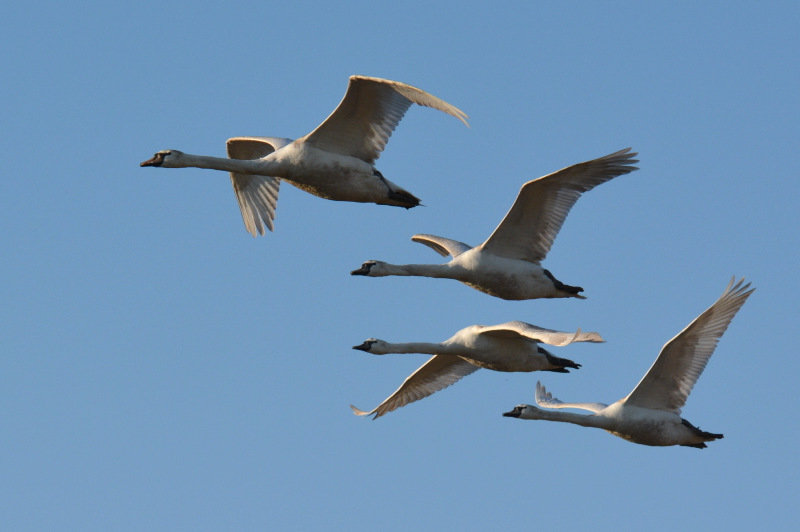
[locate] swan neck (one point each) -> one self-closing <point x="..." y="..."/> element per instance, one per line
<point x="583" y="420"/>
<point x="417" y="347"/>
<point x="242" y="166"/>
<point x="418" y="270"/>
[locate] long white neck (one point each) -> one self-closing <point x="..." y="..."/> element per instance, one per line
<point x="419" y="270"/>
<point x="417" y="347"/>
<point x="243" y="166"/>
<point x="600" y="422"/>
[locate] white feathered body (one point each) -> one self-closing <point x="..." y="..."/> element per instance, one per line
<point x="506" y="278"/>
<point x="328" y="175"/>
<point x="498" y="354"/>
<point x="648" y="426"/>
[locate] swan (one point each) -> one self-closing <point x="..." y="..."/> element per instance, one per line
<point x="335" y="161"/>
<point x="650" y="415"/>
<point x="507" y="265"/>
<point x="512" y="346"/>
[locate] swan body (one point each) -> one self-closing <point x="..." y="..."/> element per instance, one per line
<point x="335" y="161"/>
<point x="650" y="414"/>
<point x="512" y="346"/>
<point x="508" y="264"/>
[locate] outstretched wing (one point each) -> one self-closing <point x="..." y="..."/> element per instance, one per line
<point x="442" y="246"/>
<point x="436" y="374"/>
<point x="257" y="195"/>
<point x="529" y="228"/>
<point x="670" y="379"/>
<point x="367" y="115"/>
<point x="545" y="399"/>
<point x="538" y="334"/>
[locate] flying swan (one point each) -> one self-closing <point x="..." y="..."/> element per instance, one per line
<point x="512" y="346"/>
<point x="335" y="161"/>
<point x="650" y="415"/>
<point x="507" y="265"/>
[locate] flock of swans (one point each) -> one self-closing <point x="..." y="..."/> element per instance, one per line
<point x="336" y="162"/>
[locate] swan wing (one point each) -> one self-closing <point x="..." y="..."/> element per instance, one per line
<point x="257" y="195"/>
<point x="538" y="334"/>
<point x="442" y="246"/>
<point x="436" y="374"/>
<point x="367" y="115"/>
<point x="529" y="228"/>
<point x="670" y="379"/>
<point x="545" y="399"/>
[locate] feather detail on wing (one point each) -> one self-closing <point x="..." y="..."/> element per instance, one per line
<point x="545" y="399"/>
<point x="539" y="334"/>
<point x="669" y="381"/>
<point x="436" y="374"/>
<point x="529" y="228"/>
<point x="362" y="123"/>
<point x="257" y="195"/>
<point x="442" y="246"/>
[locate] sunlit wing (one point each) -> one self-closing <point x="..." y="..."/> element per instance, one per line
<point x="442" y="246"/>
<point x="436" y="374"/>
<point x="257" y="195"/>
<point x="367" y="115"/>
<point x="529" y="228"/>
<point x="547" y="336"/>
<point x="670" y="379"/>
<point x="545" y="399"/>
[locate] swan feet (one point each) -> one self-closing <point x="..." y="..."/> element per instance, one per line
<point x="404" y="198"/>
<point x="709" y="436"/>
<point x="564" y="363"/>
<point x="574" y="290"/>
<point x="408" y="199"/>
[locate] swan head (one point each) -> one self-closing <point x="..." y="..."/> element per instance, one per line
<point x="371" y="268"/>
<point x="166" y="159"/>
<point x="524" y="412"/>
<point x="373" y="345"/>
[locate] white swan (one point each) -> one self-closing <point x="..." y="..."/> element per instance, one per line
<point x="507" y="265"/>
<point x="650" y="415"/>
<point x="335" y="161"/>
<point x="512" y="346"/>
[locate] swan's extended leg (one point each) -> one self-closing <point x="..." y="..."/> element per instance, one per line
<point x="561" y="286"/>
<point x="556" y="361"/>
<point x="408" y="199"/>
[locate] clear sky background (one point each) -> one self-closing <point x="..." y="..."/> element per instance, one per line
<point x="163" y="370"/>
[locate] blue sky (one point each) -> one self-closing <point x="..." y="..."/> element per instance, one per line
<point x="163" y="370"/>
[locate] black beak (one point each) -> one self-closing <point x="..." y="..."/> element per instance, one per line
<point x="157" y="159"/>
<point x="514" y="413"/>
<point x="363" y="347"/>
<point x="363" y="270"/>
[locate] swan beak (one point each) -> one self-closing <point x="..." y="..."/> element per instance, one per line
<point x="155" y="161"/>
<point x="514" y="413"/>
<point x="363" y="270"/>
<point x="363" y="347"/>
